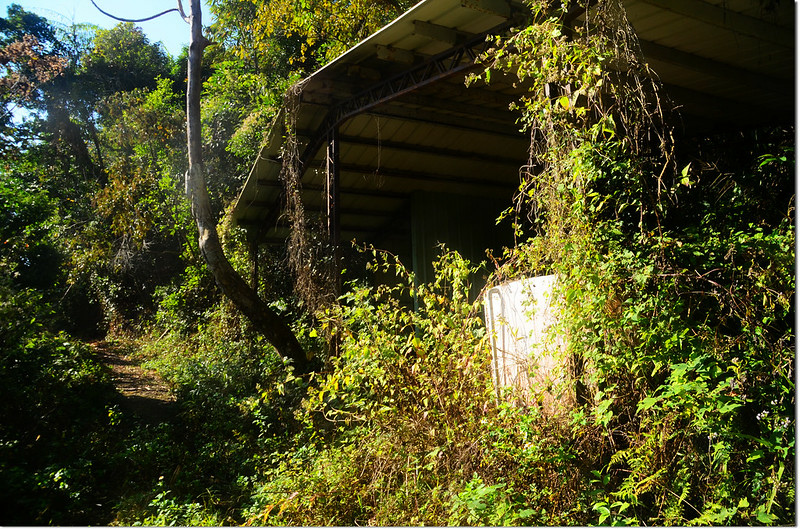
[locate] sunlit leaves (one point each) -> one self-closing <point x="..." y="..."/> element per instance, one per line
<point x="144" y="133"/>
<point x="122" y="58"/>
<point x="675" y="279"/>
<point x="313" y="31"/>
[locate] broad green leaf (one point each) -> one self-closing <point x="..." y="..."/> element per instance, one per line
<point x="647" y="403"/>
<point x="764" y="517"/>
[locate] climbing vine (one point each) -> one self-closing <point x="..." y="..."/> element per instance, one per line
<point x="682" y="317"/>
<point x="310" y="255"/>
<point x="589" y="94"/>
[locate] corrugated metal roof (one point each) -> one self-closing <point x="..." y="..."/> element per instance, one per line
<point x="723" y="61"/>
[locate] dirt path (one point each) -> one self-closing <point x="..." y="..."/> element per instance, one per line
<point x="141" y="391"/>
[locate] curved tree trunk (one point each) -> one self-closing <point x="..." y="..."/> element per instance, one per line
<point x="265" y="320"/>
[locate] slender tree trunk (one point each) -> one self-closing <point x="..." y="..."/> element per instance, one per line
<point x="265" y="321"/>
<point x="102" y="177"/>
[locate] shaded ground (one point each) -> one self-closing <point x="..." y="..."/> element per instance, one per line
<point x="140" y="391"/>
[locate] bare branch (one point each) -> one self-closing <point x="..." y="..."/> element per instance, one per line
<point x="137" y="19"/>
<point x="182" y="12"/>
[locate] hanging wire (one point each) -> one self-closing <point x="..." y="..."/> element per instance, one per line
<point x="179" y="9"/>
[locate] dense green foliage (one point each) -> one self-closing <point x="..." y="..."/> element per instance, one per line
<point x="54" y="413"/>
<point x="676" y="284"/>
<point x="54" y="420"/>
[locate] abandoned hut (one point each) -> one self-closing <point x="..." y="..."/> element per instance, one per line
<point x="395" y="150"/>
<point x="391" y="147"/>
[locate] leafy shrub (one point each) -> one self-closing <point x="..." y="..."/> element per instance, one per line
<point x="675" y="283"/>
<point x="393" y="430"/>
<point x="171" y="513"/>
<point x="55" y="427"/>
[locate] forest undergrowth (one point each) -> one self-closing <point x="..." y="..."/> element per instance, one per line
<point x="675" y="293"/>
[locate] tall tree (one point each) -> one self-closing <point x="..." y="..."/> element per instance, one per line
<point x="263" y="318"/>
<point x="26" y="66"/>
<point x="245" y="298"/>
<point x="29" y="59"/>
<point x="123" y="59"/>
<point x="19" y="23"/>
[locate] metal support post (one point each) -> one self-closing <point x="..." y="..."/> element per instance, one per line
<point x="332" y="170"/>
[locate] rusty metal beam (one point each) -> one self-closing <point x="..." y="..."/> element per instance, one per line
<point x="375" y="193"/>
<point x="398" y="55"/>
<point x="730" y="74"/>
<point x="451" y="62"/>
<point x="499" y="8"/>
<point x="390" y="173"/>
<point x="458" y="123"/>
<point x="727" y="19"/>
<point x="436" y="32"/>
<point x="360" y="212"/>
<point x="425" y="149"/>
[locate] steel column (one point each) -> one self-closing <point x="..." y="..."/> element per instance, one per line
<point x="332" y="196"/>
